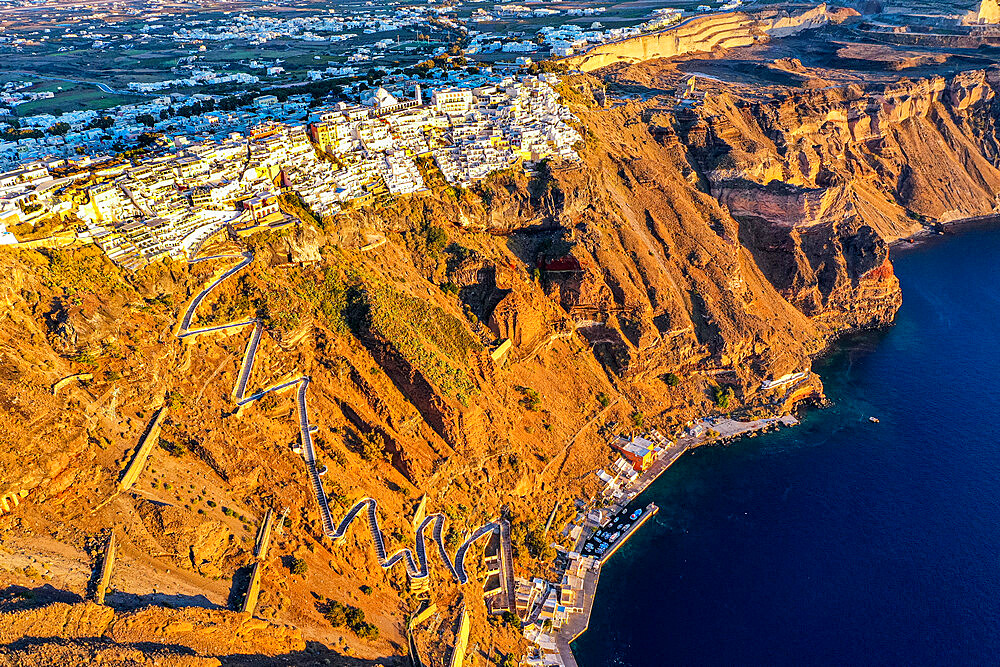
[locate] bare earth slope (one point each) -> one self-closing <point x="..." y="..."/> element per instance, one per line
<point x="725" y="244"/>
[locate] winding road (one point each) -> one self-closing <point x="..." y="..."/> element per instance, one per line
<point x="415" y="560"/>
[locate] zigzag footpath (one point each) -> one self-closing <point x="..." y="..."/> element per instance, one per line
<point x="416" y="564"/>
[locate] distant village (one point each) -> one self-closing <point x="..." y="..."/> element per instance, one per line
<point x="228" y="169"/>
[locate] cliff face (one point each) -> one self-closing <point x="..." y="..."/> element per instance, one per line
<point x="701" y="34"/>
<point x="606" y="277"/>
<point x="818" y="178"/>
<point x="917" y="151"/>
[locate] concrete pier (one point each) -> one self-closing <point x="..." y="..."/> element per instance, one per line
<point x="650" y="510"/>
<point x="578" y="623"/>
<point x="726" y="428"/>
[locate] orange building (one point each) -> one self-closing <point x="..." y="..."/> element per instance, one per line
<point x="638" y="451"/>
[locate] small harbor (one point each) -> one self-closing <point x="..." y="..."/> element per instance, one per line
<point x="558" y="613"/>
<point x="606" y="541"/>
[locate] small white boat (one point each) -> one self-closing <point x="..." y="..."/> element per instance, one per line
<point x="873" y="420"/>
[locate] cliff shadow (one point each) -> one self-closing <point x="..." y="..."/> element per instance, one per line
<point x="120" y="601"/>
<point x="21" y="598"/>
<point x="29" y="645"/>
<point x="316" y="654"/>
<point x="238" y="589"/>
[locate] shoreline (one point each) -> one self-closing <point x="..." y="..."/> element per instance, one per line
<point x="809" y="526"/>
<point x="702" y="432"/>
<point x="574" y="630"/>
<point x="927" y="234"/>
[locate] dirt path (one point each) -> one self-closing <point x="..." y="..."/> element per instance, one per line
<point x="565" y="450"/>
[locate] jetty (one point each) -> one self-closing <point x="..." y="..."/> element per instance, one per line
<point x="649" y="511"/>
<point x="579" y="622"/>
<point x="603" y="537"/>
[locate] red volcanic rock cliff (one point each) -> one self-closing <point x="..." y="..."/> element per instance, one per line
<point x="725" y="246"/>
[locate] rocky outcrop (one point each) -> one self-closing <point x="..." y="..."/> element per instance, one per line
<point x="700" y="34"/>
<point x="912" y="152"/>
<point x="820" y="180"/>
<point x="62" y="652"/>
<point x="837" y="273"/>
<point x="987" y="12"/>
<point x="206" y="632"/>
<point x="304" y="244"/>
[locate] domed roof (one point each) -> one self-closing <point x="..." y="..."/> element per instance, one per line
<point x="383" y="98"/>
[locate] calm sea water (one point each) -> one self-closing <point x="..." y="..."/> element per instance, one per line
<point x="839" y="542"/>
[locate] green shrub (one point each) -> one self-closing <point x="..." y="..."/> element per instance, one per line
<point x="371" y="451"/>
<point x="173" y="448"/>
<point x="436" y="239"/>
<point x="723" y="396"/>
<point x="453" y="539"/>
<point x="530" y="398"/>
<point x="335" y="613"/>
<point x="298" y="566"/>
<point x="365" y="630"/>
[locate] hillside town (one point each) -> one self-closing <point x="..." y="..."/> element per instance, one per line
<point x="230" y="169"/>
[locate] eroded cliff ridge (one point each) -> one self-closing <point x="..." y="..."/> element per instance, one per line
<point x="720" y="241"/>
<point x="700" y="34"/>
<point x="808" y="168"/>
<point x="892" y="157"/>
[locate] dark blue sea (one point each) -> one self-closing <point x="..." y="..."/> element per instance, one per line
<point x="839" y="542"/>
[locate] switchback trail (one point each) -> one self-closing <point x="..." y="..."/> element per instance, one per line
<point x="416" y="564"/>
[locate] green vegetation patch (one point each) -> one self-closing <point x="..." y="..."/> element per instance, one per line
<point x="341" y="615"/>
<point x="434" y="342"/>
<point x="328" y="295"/>
<point x="723" y="396"/>
<point x="298" y="566"/>
<point x="530" y="398"/>
<point x="72" y="97"/>
<point x="293" y="204"/>
<point x="427" y="337"/>
<point x="84" y="270"/>
<point x="530" y="537"/>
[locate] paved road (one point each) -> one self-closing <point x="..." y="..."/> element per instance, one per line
<point x="103" y="87"/>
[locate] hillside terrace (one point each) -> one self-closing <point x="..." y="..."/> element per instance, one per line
<point x="167" y="202"/>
